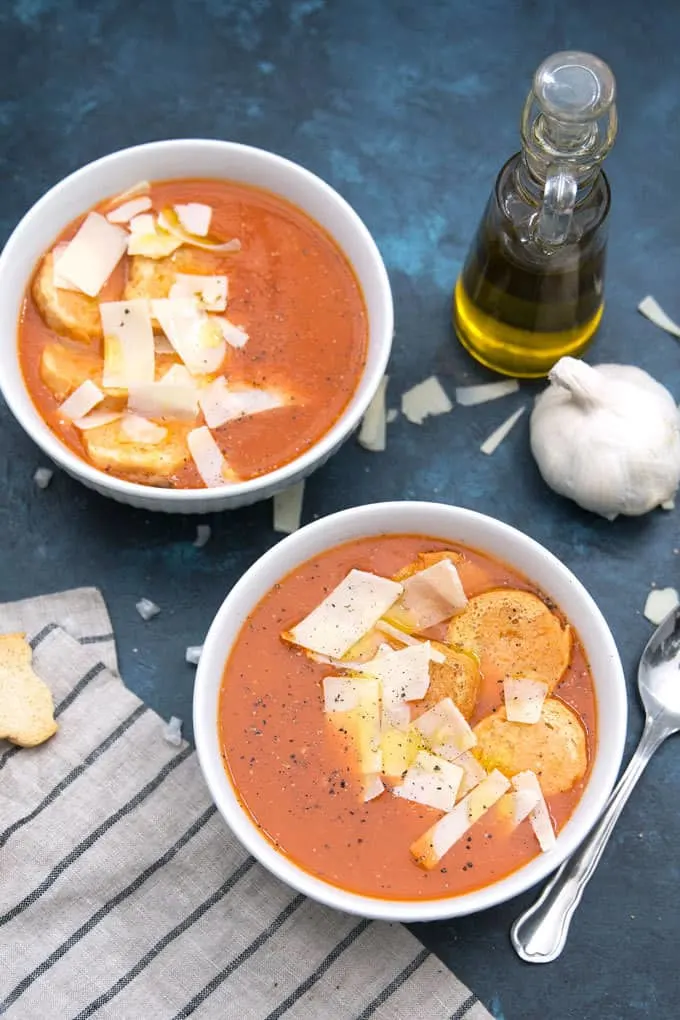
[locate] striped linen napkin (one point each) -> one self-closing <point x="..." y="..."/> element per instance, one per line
<point x="123" y="894"/>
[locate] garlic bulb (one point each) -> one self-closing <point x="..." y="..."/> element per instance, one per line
<point x="607" y="437"/>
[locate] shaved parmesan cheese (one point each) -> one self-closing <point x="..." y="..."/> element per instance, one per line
<point x="430" y="596"/>
<point x="288" y="509"/>
<point x="140" y="188"/>
<point x="518" y="805"/>
<point x="396" y="633"/>
<point x="373" y="432"/>
<point x="446" y="725"/>
<point x="492" y="442"/>
<point x="355" y="710"/>
<point x="147" y="609"/>
<point x="59" y="281"/>
<point x="194" y="217"/>
<point x="346" y="614"/>
<point x="373" y="787"/>
<point x="192" y="654"/>
<point x="431" y="781"/>
<point x="179" y="375"/>
<point x="148" y="239"/>
<point x="81" y="401"/>
<point x="233" y="335"/>
<point x="170" y="221"/>
<point x="203" y="533"/>
<point x="652" y="310"/>
<point x="172" y="731"/>
<point x="470" y="396"/>
<point x="424" y="400"/>
<point x="668" y="504"/>
<point x="163" y="400"/>
<point x="129" y="353"/>
<point x="539" y="816"/>
<point x="473" y="773"/>
<point x="192" y="334"/>
<point x="660" y="602"/>
<point x="399" y="748"/>
<point x="221" y="404"/>
<point x="210" y="291"/>
<point x="391" y="415"/>
<point x="96" y="420"/>
<point x="142" y="225"/>
<point x="43" y="476"/>
<point x="524" y="699"/>
<point x="125" y="212"/>
<point x="95" y="251"/>
<point x="396" y="717"/>
<point x="136" y="429"/>
<point x="438" y="840"/>
<point x="207" y="456"/>
<point x="343" y="693"/>
<point x="404" y="674"/>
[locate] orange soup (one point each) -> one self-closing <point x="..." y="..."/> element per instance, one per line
<point x="435" y="788"/>
<point x="192" y="333"/>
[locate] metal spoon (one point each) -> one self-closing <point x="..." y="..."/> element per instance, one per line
<point x="540" y="934"/>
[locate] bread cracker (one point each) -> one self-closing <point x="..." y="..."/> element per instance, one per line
<point x="26" y="705"/>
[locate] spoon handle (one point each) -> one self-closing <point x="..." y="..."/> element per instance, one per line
<point x="539" y="935"/>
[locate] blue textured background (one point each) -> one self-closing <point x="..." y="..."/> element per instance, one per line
<point x="408" y="108"/>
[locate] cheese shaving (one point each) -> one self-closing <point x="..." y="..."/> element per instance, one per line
<point x="288" y="509"/>
<point x="373" y="432"/>
<point x="210" y="291"/>
<point x="163" y="400"/>
<point x="492" y="442"/>
<point x="95" y="251"/>
<point x="438" y="840"/>
<point x="446" y="725"/>
<point x="207" y="456"/>
<point x="404" y="674"/>
<point x="147" y="609"/>
<point x="179" y="375"/>
<point x="134" y="428"/>
<point x="128" y="210"/>
<point x="96" y="420"/>
<point x="346" y="614"/>
<point x="473" y="773"/>
<point x="59" y="281"/>
<point x="668" y="504"/>
<point x="145" y="224"/>
<point x="192" y="654"/>
<point x="169" y="220"/>
<point x="81" y="401"/>
<point x="355" y="711"/>
<point x="373" y="787"/>
<point x="221" y="404"/>
<point x="470" y="396"/>
<point x="147" y="238"/>
<point x="425" y="400"/>
<point x="430" y="596"/>
<point x="431" y="781"/>
<point x="129" y="353"/>
<point x="396" y="633"/>
<point x="233" y="335"/>
<point x="660" y="602"/>
<point x="195" y="218"/>
<point x="140" y="188"/>
<point x="524" y="699"/>
<point x="518" y="805"/>
<point x="203" y="533"/>
<point x="391" y="415"/>
<point x="343" y="693"/>
<point x="43" y="476"/>
<point x="653" y="311"/>
<point x="539" y="816"/>
<point x="172" y="731"/>
<point x="191" y="333"/>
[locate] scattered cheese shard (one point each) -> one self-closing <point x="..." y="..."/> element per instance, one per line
<point x="129" y="352"/>
<point x="668" y="504"/>
<point x="660" y="602"/>
<point x="43" y="476"/>
<point x="396" y="716"/>
<point x="96" y="419"/>
<point x="355" y="710"/>
<point x="147" y="609"/>
<point x="518" y="805"/>
<point x="128" y="210"/>
<point x="429" y="849"/>
<point x="59" y="281"/>
<point x="172" y="731"/>
<point x="430" y="596"/>
<point x="220" y="404"/>
<point x="424" y="400"/>
<point x="473" y="773"/>
<point x="210" y="291"/>
<point x="445" y="725"/>
<point x="233" y="335"/>
<point x="195" y="218"/>
<point x="145" y="224"/>
<point x="373" y="787"/>
<point x="539" y="816"/>
<point x="524" y="699"/>
<point x="163" y="400"/>
<point x="140" y="188"/>
<point x="653" y="311"/>
<point x="391" y="415"/>
<point x="431" y="781"/>
<point x="288" y="509"/>
<point x="134" y="428"/>
<point x="179" y="375"/>
<point x="492" y="442"/>
<point x="346" y="614"/>
<point x="192" y="654"/>
<point x="191" y="333"/>
<point x="470" y="396"/>
<point x="404" y="674"/>
<point x="373" y="432"/>
<point x="147" y="238"/>
<point x="203" y="533"/>
<point x="95" y="251"/>
<point x="399" y="749"/>
<point x="396" y="633"/>
<point x="81" y="401"/>
<point x="169" y="221"/>
<point x="207" y="456"/>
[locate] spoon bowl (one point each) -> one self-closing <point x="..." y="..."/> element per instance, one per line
<point x="659" y="671"/>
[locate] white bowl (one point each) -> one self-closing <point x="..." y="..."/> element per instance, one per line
<point x="451" y="524"/>
<point x="164" y="161"/>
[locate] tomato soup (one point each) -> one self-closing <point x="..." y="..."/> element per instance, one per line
<point x="236" y="299"/>
<point x="296" y="773"/>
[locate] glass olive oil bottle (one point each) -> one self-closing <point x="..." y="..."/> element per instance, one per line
<point x="531" y="289"/>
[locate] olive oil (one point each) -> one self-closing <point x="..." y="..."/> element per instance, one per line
<point x="531" y="289"/>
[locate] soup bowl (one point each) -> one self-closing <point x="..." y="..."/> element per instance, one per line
<point x="452" y="524"/>
<point x="176" y="159"/>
